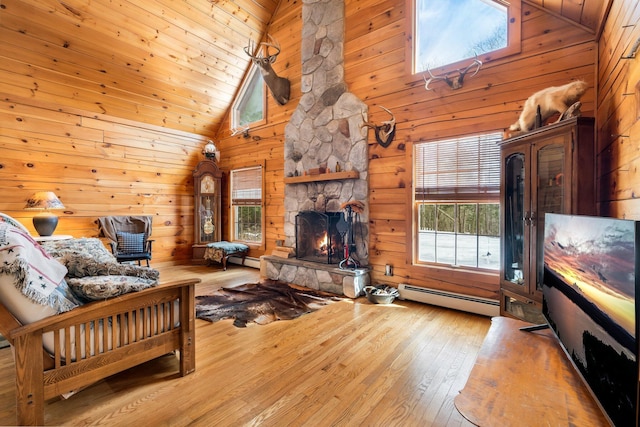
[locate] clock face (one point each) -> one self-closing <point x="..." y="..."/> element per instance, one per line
<point x="207" y="185"/>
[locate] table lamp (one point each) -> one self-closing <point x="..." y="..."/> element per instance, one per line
<point x="45" y="222"/>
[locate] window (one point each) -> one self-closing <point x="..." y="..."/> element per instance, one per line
<point x="450" y="31"/>
<point x="457" y="201"/>
<point x="249" y="105"/>
<point x="246" y="204"/>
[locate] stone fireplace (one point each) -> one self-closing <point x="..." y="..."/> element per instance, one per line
<point x="319" y="236"/>
<point x="326" y="127"/>
<point x="325" y="133"/>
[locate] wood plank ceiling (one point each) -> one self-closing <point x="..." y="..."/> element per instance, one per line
<point x="236" y="21"/>
<point x="183" y="60"/>
<point x="588" y="13"/>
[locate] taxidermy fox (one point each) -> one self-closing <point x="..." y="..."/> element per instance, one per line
<point x="554" y="99"/>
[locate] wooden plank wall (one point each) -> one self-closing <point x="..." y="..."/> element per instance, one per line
<point x="553" y="52"/>
<point x="618" y="111"/>
<point x="98" y="166"/>
<point x="265" y="144"/>
<point x="127" y="149"/>
<point x="109" y="105"/>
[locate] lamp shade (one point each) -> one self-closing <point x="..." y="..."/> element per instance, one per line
<point x="45" y="222"/>
<point x="43" y="200"/>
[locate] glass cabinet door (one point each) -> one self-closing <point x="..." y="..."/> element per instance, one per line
<point x="547" y="170"/>
<point x="514" y="221"/>
<point x="549" y="197"/>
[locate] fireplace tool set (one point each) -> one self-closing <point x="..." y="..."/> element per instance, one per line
<point x="346" y="230"/>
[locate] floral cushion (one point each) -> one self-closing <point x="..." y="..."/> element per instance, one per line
<point x="85" y="247"/>
<point x="89" y="257"/>
<point x="81" y="267"/>
<point x="94" y="273"/>
<point x="94" y="288"/>
<point x="130" y="243"/>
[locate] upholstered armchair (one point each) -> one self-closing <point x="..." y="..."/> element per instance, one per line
<point x="128" y="237"/>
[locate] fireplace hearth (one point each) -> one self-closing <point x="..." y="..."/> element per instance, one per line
<point x="318" y="236"/>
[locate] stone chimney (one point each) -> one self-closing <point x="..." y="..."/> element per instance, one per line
<point x="326" y="127"/>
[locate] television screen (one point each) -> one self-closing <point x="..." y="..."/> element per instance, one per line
<point x="589" y="300"/>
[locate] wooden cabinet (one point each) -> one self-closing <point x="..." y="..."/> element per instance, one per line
<point x="548" y="170"/>
<point x="207" y="187"/>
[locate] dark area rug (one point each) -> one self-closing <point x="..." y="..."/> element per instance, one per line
<point x="261" y="303"/>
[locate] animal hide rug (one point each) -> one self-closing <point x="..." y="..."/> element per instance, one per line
<point x="261" y="303"/>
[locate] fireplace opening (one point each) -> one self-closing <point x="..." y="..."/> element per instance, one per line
<point x="318" y="238"/>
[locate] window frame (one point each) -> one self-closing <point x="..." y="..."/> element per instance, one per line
<point x="416" y="202"/>
<point x="514" y="44"/>
<point x="232" y="206"/>
<point x="253" y="72"/>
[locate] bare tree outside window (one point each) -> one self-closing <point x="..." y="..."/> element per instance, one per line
<point x="249" y="104"/>
<point x="246" y="204"/>
<point x="449" y="31"/>
<point x="457" y="191"/>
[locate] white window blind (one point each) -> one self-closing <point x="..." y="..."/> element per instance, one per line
<point x="246" y="186"/>
<point x="466" y="168"/>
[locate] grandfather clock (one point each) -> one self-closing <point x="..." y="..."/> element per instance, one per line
<point x="207" y="187"/>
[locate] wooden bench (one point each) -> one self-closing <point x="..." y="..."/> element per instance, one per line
<point x="525" y="377"/>
<point x="221" y="252"/>
<point x="143" y="325"/>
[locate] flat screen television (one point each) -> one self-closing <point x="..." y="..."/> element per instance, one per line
<point x="590" y="291"/>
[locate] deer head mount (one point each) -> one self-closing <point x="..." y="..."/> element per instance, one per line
<point x="279" y="86"/>
<point x="454" y="82"/>
<point x="385" y="132"/>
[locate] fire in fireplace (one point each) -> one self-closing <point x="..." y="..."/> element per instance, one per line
<point x="318" y="238"/>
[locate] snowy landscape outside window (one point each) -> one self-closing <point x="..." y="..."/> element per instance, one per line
<point x="457" y="202"/>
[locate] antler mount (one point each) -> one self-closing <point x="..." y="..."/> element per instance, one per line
<point x="452" y="80"/>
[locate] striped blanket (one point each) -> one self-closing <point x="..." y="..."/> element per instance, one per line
<point x="35" y="273"/>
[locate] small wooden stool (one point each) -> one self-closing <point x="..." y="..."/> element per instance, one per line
<point x="221" y="251"/>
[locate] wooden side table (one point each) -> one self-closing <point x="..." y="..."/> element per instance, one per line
<point x="52" y="238"/>
<point x="525" y="378"/>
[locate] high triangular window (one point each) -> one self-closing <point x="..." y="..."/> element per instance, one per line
<point x="249" y="105"/>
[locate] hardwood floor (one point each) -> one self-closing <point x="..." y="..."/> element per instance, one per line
<point x="349" y="364"/>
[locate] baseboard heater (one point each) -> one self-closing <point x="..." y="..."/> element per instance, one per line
<point x="248" y="262"/>
<point x="471" y="304"/>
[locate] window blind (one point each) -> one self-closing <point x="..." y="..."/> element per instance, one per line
<point x="459" y="168"/>
<point x="246" y="186"/>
